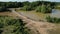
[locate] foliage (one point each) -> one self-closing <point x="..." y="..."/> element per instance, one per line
<point x="12" y="26"/>
<point x="53" y="19"/>
<point x="39" y="6"/>
<point x="26" y="3"/>
<point x="3" y="9"/>
<point x="38" y="9"/>
<point x="44" y="9"/>
<point x="46" y="6"/>
<point x="27" y="8"/>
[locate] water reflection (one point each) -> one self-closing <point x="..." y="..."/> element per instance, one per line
<point x="55" y="13"/>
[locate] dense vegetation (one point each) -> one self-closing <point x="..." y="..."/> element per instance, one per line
<point x="5" y="5"/>
<point x="39" y="6"/>
<point x="53" y="19"/>
<point x="8" y="25"/>
<point x="44" y="9"/>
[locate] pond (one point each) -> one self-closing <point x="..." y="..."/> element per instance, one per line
<point x="55" y="13"/>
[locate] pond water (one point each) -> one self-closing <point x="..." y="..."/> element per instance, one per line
<point x="55" y="13"/>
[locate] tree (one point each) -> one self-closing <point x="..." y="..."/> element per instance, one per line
<point x="26" y="3"/>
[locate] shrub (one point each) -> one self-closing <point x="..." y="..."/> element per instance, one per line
<point x="44" y="9"/>
<point x="53" y="19"/>
<point x="38" y="9"/>
<point x="48" y="9"/>
<point x="3" y="9"/>
<point x="1" y="31"/>
<point x="27" y="8"/>
<point x="41" y="9"/>
<point x="11" y="25"/>
<point x="1" y="25"/>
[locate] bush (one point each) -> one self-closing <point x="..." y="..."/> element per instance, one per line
<point x="41" y="9"/>
<point x="53" y="19"/>
<point x="1" y="31"/>
<point x="3" y="9"/>
<point x="11" y="25"/>
<point x="48" y="9"/>
<point x="38" y="9"/>
<point x="27" y="8"/>
<point x="44" y="9"/>
<point x="1" y="25"/>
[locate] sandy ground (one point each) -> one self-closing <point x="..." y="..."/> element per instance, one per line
<point x="8" y="14"/>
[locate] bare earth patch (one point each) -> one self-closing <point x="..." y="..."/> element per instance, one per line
<point x="8" y="14"/>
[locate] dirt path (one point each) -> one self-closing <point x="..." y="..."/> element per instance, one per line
<point x="39" y="27"/>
